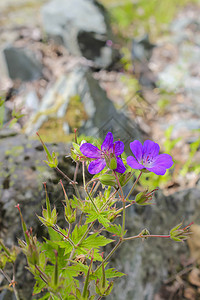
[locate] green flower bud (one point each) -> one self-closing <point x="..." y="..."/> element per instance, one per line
<point x="124" y="178"/>
<point x="70" y="214"/>
<point x="143" y="198"/>
<point x="113" y="163"/>
<point x="107" y="179"/>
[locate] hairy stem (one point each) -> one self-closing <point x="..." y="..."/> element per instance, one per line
<point x="74" y="183"/>
<point x="85" y="234"/>
<point x="111" y="253"/>
<point x="65" y="236"/>
<point x="12" y="283"/>
<point x="145" y="236"/>
<point x="92" y="201"/>
<point x="64" y="175"/>
<point x="131" y="190"/>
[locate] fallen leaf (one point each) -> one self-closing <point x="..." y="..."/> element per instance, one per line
<point x="190" y="293"/>
<point x="194" y="277"/>
<point x="194" y="242"/>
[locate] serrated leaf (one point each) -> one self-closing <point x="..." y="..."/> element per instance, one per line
<point x="102" y="217"/>
<point x="111" y="273"/>
<point x="77" y="233"/>
<point x="54" y="236"/>
<point x="95" y="241"/>
<point x="79" y="267"/>
<point x="39" y="285"/>
<point x="103" y="220"/>
<point x="115" y="229"/>
<point x="91" y="217"/>
<point x="46" y="296"/>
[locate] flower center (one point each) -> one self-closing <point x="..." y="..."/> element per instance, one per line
<point x="147" y="161"/>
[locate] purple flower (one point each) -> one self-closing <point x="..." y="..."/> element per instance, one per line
<point x="148" y="157"/>
<point x="103" y="157"/>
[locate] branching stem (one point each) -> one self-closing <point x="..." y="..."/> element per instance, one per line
<point x="131" y="190"/>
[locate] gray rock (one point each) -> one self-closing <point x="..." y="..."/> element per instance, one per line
<point x="146" y="263"/>
<point x="82" y="27"/>
<point x="78" y="93"/>
<point x="22" y="64"/>
<point x="22" y="175"/>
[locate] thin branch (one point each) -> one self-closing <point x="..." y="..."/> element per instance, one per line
<point x="12" y="283"/>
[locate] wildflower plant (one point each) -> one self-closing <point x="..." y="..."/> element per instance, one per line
<point x="70" y="263"/>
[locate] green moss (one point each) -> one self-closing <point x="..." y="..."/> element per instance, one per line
<point x="15" y="151"/>
<point x="132" y="18"/>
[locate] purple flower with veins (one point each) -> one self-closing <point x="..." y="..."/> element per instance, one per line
<point x="147" y="157"/>
<point x="103" y="157"/>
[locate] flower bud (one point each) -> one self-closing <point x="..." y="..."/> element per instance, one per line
<point x="113" y="163"/>
<point x="179" y="234"/>
<point x="124" y="178"/>
<point x="144" y="232"/>
<point x="107" y="179"/>
<point x="70" y="214"/>
<point x="143" y="198"/>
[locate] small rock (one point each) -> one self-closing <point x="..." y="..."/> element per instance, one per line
<point x="82" y="27"/>
<point x="76" y="100"/>
<point x="22" y="64"/>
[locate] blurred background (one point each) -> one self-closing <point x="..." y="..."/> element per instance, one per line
<point x="131" y="67"/>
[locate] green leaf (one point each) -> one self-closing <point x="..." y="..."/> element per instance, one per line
<point x="12" y="122"/>
<point x="115" y="229"/>
<point x="46" y="296"/>
<point x="111" y="273"/>
<point x="102" y="217"/>
<point x="175" y="228"/>
<point x="78" y="232"/>
<point x="95" y="241"/>
<point x="39" y="285"/>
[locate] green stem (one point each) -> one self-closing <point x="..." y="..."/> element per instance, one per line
<point x="145" y="236"/>
<point x="76" y="171"/>
<point x="95" y="188"/>
<point x="83" y="168"/>
<point x="92" y="201"/>
<point x="85" y="234"/>
<point x="123" y="217"/>
<point x="71" y="255"/>
<point x="119" y="185"/>
<point x="92" y="180"/>
<point x="111" y="196"/>
<point x="43" y="276"/>
<point x="111" y="253"/>
<point x="65" y="236"/>
<point x="124" y="204"/>
<point x="10" y="282"/>
<point x="64" y="175"/>
<point x="133" y="186"/>
<point x="4" y="248"/>
<point x="70" y="181"/>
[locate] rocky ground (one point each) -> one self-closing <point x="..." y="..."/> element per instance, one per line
<point x="158" y="91"/>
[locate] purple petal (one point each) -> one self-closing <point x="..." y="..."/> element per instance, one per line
<point x="119" y="147"/>
<point x="96" y="166"/>
<point x="120" y="166"/>
<point x="163" y="160"/>
<point x="158" y="170"/>
<point x="108" y="142"/>
<point x="132" y="162"/>
<point x="136" y="148"/>
<point x="150" y="149"/>
<point x="90" y="150"/>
